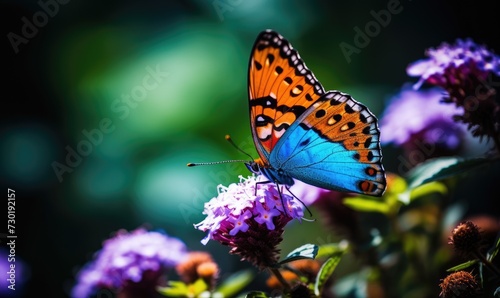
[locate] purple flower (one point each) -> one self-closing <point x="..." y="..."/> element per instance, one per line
<point x="464" y="55"/>
<point x="418" y="118"/>
<point x="265" y="216"/>
<point x="465" y="70"/>
<point x="250" y="218"/>
<point x="239" y="222"/>
<point x="130" y="262"/>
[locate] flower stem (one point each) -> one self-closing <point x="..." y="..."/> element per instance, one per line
<point x="487" y="263"/>
<point x="280" y="277"/>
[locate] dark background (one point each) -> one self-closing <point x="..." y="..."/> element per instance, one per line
<point x="67" y="76"/>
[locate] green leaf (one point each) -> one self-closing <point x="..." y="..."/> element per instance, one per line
<point x="306" y="251"/>
<point x="398" y="184"/>
<point x="365" y="204"/>
<point x="441" y="168"/>
<point x="332" y="249"/>
<point x="180" y="289"/>
<point x="325" y="272"/>
<point x="198" y="286"/>
<point x="235" y="283"/>
<point x="256" y="294"/>
<point x="428" y="188"/>
<point x="175" y="289"/>
<point x="462" y="266"/>
<point x="494" y="250"/>
<point x="412" y="194"/>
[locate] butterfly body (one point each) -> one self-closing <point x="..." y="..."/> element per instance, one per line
<point x="326" y="139"/>
<point x="273" y="174"/>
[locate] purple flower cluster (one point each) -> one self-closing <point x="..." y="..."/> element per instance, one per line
<point x="249" y="217"/>
<point x="465" y="56"/>
<point x="466" y="72"/>
<point x="239" y="203"/>
<point x="129" y="260"/>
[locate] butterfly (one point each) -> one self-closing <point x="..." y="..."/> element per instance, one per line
<point x="323" y="138"/>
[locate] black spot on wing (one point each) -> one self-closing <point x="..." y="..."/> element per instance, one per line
<point x="284" y="126"/>
<point x="363" y="118"/>
<point x="348" y="109"/>
<point x="369" y="156"/>
<point x="320" y="113"/>
<point x="270" y="58"/>
<point x="368" y="142"/>
<point x="334" y="102"/>
<point x="297" y="110"/>
<point x="304" y="142"/>
<point x="258" y="65"/>
<point x="265" y="102"/>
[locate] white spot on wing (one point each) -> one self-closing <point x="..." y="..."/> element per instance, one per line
<point x="278" y="134"/>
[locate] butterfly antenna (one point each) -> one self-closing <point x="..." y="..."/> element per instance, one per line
<point x="228" y="138"/>
<point x="193" y="164"/>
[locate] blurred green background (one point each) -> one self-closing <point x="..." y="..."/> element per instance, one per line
<point x="81" y="79"/>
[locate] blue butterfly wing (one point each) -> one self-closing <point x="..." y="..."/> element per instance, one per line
<point x="333" y="145"/>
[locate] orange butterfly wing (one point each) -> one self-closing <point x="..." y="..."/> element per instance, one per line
<point x="280" y="89"/>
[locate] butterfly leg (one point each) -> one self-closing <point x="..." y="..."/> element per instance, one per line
<point x="260" y="182"/>
<point x="279" y="192"/>
<point x="288" y="188"/>
<point x="281" y="197"/>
